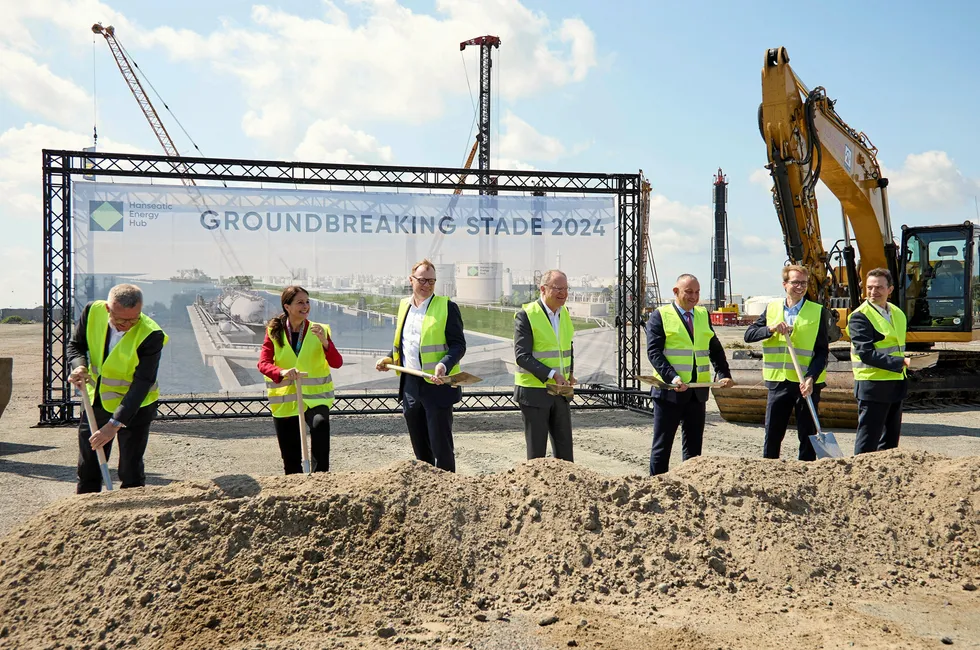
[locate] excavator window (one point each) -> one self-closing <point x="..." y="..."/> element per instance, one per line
<point x="938" y="278"/>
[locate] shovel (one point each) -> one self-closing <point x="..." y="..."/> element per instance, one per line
<point x="824" y="442"/>
<point x="456" y="379"/>
<point x="93" y="427"/>
<point x="922" y="360"/>
<point x="563" y="391"/>
<point x="662" y="385"/>
<point x="304" y="438"/>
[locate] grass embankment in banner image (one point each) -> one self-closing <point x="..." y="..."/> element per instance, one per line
<point x="485" y="321"/>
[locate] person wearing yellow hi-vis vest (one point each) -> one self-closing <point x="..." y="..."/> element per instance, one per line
<point x="428" y="338"/>
<point x="877" y="331"/>
<point x="805" y="323"/>
<point x="544" y="355"/>
<point x="680" y="343"/>
<point x="293" y="344"/>
<point x="114" y="353"/>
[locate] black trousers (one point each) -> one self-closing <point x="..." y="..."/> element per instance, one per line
<point x="666" y="418"/>
<point x="430" y="427"/>
<point x="132" y="445"/>
<point x="290" y="446"/>
<point x="542" y="422"/>
<point x="780" y="404"/>
<point x="879" y="426"/>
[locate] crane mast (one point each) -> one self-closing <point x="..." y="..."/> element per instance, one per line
<point x="486" y="43"/>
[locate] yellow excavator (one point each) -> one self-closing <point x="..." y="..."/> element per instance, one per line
<point x="934" y="267"/>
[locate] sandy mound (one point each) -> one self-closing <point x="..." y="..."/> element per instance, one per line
<point x="415" y="555"/>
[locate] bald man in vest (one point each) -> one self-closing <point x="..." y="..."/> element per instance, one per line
<point x="114" y="353"/>
<point x="877" y="331"/>
<point x="680" y="343"/>
<point x="428" y="337"/>
<point x="543" y="349"/>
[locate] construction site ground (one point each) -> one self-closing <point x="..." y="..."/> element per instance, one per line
<point x="725" y="551"/>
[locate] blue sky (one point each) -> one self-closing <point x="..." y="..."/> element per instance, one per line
<point x="670" y="88"/>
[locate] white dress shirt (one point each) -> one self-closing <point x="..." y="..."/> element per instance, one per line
<point x="886" y="311"/>
<point x="114" y="337"/>
<point x="412" y="334"/>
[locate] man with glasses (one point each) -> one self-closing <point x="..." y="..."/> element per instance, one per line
<point x="114" y="353"/>
<point x="428" y="337"/>
<point x="803" y="324"/>
<point x="877" y="330"/>
<point x="543" y="349"/>
<point x="680" y="343"/>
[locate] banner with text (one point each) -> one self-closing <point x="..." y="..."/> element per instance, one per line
<point x="212" y="261"/>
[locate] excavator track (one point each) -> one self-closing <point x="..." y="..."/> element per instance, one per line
<point x="953" y="381"/>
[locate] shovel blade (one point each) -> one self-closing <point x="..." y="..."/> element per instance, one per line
<point x="825" y="445"/>
<point x="464" y="379"/>
<point x="564" y="391"/>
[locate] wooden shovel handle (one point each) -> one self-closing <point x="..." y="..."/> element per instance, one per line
<point x="411" y="371"/>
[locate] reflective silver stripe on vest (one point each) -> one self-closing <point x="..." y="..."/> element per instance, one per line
<point x="282" y="399"/>
<point x="682" y="366"/>
<point x="702" y="354"/>
<point x="442" y="347"/>
<point x="782" y="349"/>
<point x="115" y="382"/>
<point x="777" y="365"/>
<point x="110" y="395"/>
<point x="546" y="354"/>
<point x="676" y="352"/>
<point x="316" y="382"/>
<point x="704" y="368"/>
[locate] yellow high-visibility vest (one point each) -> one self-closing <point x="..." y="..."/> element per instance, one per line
<point x="116" y="370"/>
<point x="682" y="353"/>
<point x="317" y="385"/>
<point x="777" y="365"/>
<point x="893" y="344"/>
<point x="432" y="346"/>
<point x="554" y="352"/>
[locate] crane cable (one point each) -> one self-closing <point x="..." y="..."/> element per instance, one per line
<point x="95" y="98"/>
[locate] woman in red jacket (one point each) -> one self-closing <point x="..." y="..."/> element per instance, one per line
<point x="293" y="344"/>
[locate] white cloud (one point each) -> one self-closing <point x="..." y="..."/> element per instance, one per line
<point x="20" y="164"/>
<point x="930" y="181"/>
<point x="289" y="66"/>
<point x="520" y="141"/>
<point x="761" y="177"/>
<point x="334" y="142"/>
<point x="679" y="228"/>
<point x="32" y="86"/>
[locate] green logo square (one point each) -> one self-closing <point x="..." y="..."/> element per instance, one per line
<point x="105" y="216"/>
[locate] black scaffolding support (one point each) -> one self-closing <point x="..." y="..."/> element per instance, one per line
<point x="58" y="167"/>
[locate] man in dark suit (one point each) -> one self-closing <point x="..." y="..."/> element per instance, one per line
<point x="114" y="353"/>
<point x="680" y="343"/>
<point x="428" y="338"/>
<point x="877" y="330"/>
<point x="804" y="322"/>
<point x="543" y="334"/>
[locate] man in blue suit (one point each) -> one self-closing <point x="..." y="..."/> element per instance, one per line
<point x="680" y="343"/>
<point x="428" y="337"/>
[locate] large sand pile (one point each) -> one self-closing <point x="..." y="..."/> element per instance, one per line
<point x="415" y="557"/>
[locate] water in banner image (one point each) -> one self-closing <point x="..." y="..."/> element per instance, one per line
<point x="216" y="333"/>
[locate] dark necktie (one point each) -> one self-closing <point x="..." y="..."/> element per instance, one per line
<point x="689" y="324"/>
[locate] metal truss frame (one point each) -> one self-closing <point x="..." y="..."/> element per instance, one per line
<point x="59" y="166"/>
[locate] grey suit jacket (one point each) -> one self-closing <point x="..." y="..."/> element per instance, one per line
<point x="523" y="346"/>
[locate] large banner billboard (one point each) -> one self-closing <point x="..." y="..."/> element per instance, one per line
<point x="211" y="262"/>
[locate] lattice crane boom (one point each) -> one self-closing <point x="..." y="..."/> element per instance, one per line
<point x="160" y="131"/>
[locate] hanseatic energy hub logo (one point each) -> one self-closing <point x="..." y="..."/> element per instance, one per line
<point x="105" y="216"/>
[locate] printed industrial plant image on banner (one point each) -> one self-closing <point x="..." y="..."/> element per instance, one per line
<point x="212" y="261"/>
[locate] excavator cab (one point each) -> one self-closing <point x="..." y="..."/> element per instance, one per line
<point x="938" y="288"/>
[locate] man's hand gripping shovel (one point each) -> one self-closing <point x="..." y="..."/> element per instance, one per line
<point x="824" y="442"/>
<point x="93" y="427"/>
